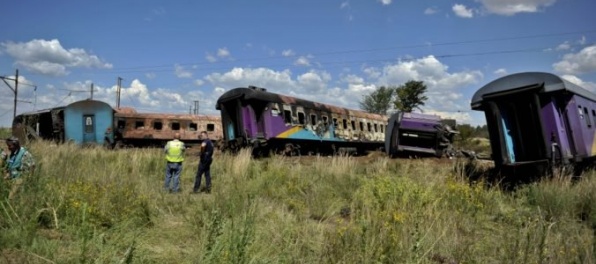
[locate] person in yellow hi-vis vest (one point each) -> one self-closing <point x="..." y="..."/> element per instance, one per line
<point x="174" y="150"/>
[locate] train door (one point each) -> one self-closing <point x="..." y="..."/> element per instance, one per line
<point x="258" y="108"/>
<point x="88" y="128"/>
<point x="520" y="127"/>
<point x="231" y="119"/>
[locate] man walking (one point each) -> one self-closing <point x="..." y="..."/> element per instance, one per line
<point x="206" y="157"/>
<point x="174" y="150"/>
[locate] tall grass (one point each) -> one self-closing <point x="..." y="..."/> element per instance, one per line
<point x="90" y="205"/>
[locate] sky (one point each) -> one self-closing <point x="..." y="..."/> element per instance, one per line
<point x="172" y="53"/>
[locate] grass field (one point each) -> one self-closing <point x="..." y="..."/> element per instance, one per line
<point x="90" y="205"/>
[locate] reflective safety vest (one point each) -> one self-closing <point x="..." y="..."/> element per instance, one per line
<point x="175" y="151"/>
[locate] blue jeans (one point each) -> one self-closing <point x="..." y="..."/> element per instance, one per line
<point x="173" y="171"/>
<point x="204" y="168"/>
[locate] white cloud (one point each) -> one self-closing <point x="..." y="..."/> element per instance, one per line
<point x="288" y="53"/>
<point x="150" y="75"/>
<point x="50" y="58"/>
<point x="385" y="2"/>
<point x="512" y="7"/>
<point x="344" y="5"/>
<point x="590" y="86"/>
<point x="431" y="11"/>
<point x="462" y="11"/>
<point x="223" y="53"/>
<point x="577" y="63"/>
<point x="199" y="82"/>
<point x="564" y="46"/>
<point x="501" y="72"/>
<point x="210" y="58"/>
<point x="181" y="72"/>
<point x="302" y="61"/>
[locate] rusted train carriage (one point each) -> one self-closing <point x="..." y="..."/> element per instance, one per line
<point x="273" y="122"/>
<point x="155" y="129"/>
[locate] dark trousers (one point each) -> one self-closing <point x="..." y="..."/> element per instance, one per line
<point x="204" y="168"/>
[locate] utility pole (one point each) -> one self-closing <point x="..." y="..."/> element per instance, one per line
<point x="118" y="89"/>
<point x="15" y="90"/>
<point x="196" y="112"/>
<point x="91" y="92"/>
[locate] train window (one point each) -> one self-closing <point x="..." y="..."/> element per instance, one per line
<point x="594" y="115"/>
<point x="122" y="123"/>
<point x="345" y="123"/>
<point x="288" y="116"/>
<point x="353" y="125"/>
<point x="193" y="126"/>
<point x="376" y="128"/>
<point x="334" y="122"/>
<point x="325" y="120"/>
<point x="157" y="125"/>
<point x="361" y="126"/>
<point x="175" y="126"/>
<point x="369" y="127"/>
<point x="139" y="124"/>
<point x="381" y="125"/>
<point x="313" y="119"/>
<point x="301" y="118"/>
<point x="210" y="127"/>
<point x="588" y="122"/>
<point x="579" y="111"/>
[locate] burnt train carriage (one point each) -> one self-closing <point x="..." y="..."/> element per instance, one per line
<point x="414" y="133"/>
<point x="153" y="129"/>
<point x="268" y="121"/>
<point x="536" y="120"/>
<point x="46" y="124"/>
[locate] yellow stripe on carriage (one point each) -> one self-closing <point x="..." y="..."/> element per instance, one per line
<point x="289" y="132"/>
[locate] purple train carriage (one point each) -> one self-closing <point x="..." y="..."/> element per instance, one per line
<point x="537" y="120"/>
<point x="419" y="134"/>
<point x="273" y="122"/>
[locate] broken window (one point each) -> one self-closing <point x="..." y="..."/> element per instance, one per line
<point x="588" y="122"/>
<point x="361" y="126"/>
<point x="210" y="127"/>
<point x="313" y="119"/>
<point x="288" y="116"/>
<point x="175" y="125"/>
<point x="376" y="128"/>
<point x="301" y="118"/>
<point x="353" y="125"/>
<point x="193" y="127"/>
<point x="139" y="124"/>
<point x="345" y="123"/>
<point x="157" y="125"/>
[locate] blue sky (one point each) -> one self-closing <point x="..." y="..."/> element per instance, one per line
<point x="172" y="53"/>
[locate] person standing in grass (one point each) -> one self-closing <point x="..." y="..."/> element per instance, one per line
<point x="174" y="150"/>
<point x="16" y="165"/>
<point x="206" y="157"/>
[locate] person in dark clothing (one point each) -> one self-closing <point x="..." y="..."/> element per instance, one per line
<point x="206" y="157"/>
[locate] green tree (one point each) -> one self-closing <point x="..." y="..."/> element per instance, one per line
<point x="410" y="96"/>
<point x="378" y="101"/>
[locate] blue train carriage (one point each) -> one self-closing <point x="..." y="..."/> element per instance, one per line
<point x="251" y="116"/>
<point x="419" y="134"/>
<point x="537" y="120"/>
<point x="89" y="122"/>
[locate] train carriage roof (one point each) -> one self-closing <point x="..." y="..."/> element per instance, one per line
<point x="255" y="93"/>
<point x="548" y="82"/>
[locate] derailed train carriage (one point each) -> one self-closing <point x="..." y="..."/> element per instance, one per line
<point x="267" y="121"/>
<point x="538" y="120"/>
<point x="419" y="134"/>
<point x="155" y="129"/>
